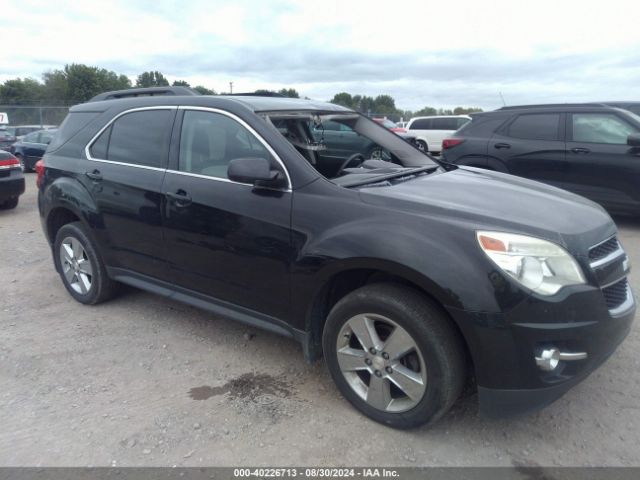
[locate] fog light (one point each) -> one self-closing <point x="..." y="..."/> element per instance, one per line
<point x="549" y="359"/>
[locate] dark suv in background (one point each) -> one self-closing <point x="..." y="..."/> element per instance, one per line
<point x="589" y="149"/>
<point x="407" y="275"/>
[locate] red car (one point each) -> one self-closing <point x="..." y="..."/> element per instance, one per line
<point x="385" y="122"/>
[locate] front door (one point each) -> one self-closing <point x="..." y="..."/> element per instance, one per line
<point x="226" y="240"/>
<point x="601" y="166"/>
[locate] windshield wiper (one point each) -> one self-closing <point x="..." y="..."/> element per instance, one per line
<point x="390" y="176"/>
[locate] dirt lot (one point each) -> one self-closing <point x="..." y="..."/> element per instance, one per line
<point x="142" y="380"/>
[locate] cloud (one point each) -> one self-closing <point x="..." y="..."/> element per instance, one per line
<point x="421" y="53"/>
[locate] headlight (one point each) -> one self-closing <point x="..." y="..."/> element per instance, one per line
<point x="542" y="266"/>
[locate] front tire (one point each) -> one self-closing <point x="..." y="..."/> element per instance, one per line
<point x="394" y="354"/>
<point x="80" y="266"/>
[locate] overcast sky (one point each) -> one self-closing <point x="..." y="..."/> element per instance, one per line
<point x="442" y="54"/>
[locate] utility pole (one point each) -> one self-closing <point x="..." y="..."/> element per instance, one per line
<point x="230" y="87"/>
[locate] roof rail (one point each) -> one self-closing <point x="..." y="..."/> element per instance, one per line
<point x="254" y="94"/>
<point x="143" y="92"/>
<point x="552" y="105"/>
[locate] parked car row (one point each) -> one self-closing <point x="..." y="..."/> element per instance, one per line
<point x="410" y="275"/>
<point x="589" y="149"/>
<point x="18" y="156"/>
<point x="11" y="180"/>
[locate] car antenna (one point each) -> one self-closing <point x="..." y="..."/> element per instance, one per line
<point x="504" y="104"/>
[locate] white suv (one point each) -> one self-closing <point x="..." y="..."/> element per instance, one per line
<point x="430" y="131"/>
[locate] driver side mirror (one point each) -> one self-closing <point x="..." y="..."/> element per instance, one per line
<point x="255" y="171"/>
<point x="633" y="140"/>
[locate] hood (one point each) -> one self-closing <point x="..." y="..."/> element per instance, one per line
<point x="483" y="199"/>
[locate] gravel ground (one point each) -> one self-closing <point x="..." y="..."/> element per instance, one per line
<point x="142" y="380"/>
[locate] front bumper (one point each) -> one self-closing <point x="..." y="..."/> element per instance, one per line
<point x="503" y="347"/>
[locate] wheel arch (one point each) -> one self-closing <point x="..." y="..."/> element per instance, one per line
<point x="338" y="282"/>
<point x="68" y="201"/>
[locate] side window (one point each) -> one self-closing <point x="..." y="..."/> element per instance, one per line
<point x="45" y="137"/>
<point x="462" y="122"/>
<point x="99" y="148"/>
<point x="421" y="124"/>
<point x="445" y="124"/>
<point x="31" y="138"/>
<point x="600" y="128"/>
<point x="138" y="138"/>
<point x="331" y="126"/>
<point x="209" y="141"/>
<point x="543" y="126"/>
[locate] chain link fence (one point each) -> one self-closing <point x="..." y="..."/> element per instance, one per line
<point x="35" y="114"/>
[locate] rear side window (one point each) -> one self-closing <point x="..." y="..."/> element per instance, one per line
<point x="72" y="124"/>
<point x="137" y="138"/>
<point x="445" y="124"/>
<point x="542" y="126"/>
<point x="421" y="124"/>
<point x="31" y="138"/>
<point x="600" y="128"/>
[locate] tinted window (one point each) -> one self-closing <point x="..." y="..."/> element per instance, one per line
<point x="462" y="122"/>
<point x="600" y="128"/>
<point x="140" y="138"/>
<point x="421" y="124"/>
<point x="99" y="147"/>
<point x="209" y="141"/>
<point x="535" y="127"/>
<point x="445" y="124"/>
<point x="72" y="124"/>
<point x="329" y="125"/>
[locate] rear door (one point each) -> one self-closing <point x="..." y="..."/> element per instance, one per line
<point x="124" y="172"/>
<point x="32" y="148"/>
<point x="225" y="239"/>
<point x="601" y="166"/>
<point x="532" y="145"/>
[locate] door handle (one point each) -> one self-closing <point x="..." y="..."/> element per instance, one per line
<point x="502" y="145"/>
<point x="95" y="175"/>
<point x="580" y="150"/>
<point x="179" y="198"/>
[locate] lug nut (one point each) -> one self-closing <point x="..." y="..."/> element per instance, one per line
<point x="385" y="355"/>
<point x="389" y="370"/>
<point x="372" y="351"/>
<point x="378" y="373"/>
<point x="367" y="361"/>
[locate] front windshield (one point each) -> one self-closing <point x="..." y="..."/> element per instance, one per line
<point x="348" y="148"/>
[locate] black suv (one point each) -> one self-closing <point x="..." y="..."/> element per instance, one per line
<point x="589" y="149"/>
<point x="409" y="276"/>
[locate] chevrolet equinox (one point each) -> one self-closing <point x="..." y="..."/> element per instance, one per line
<point x="408" y="275"/>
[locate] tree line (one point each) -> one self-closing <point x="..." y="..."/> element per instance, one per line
<point x="77" y="83"/>
<point x="385" y="105"/>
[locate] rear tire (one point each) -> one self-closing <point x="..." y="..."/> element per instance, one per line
<point x="9" y="204"/>
<point x="80" y="266"/>
<point x="422" y="146"/>
<point x="433" y="370"/>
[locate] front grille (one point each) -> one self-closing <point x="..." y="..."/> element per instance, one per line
<point x="616" y="294"/>
<point x="603" y="249"/>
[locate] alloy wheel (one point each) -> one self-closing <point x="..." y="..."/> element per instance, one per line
<point x="381" y="362"/>
<point x="76" y="266"/>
